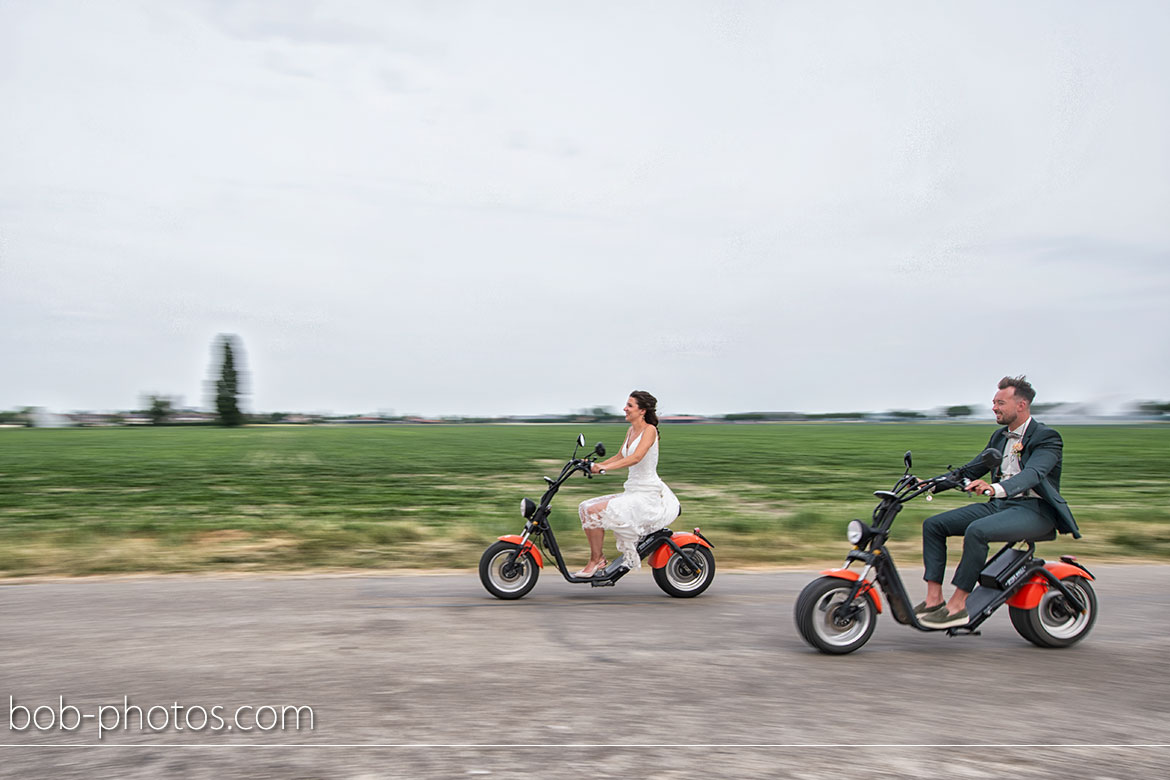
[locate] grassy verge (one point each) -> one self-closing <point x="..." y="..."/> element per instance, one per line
<point x="99" y="501"/>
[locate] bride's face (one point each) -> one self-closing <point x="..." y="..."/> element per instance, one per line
<point x="633" y="411"/>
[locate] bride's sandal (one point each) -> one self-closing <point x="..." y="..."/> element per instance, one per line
<point x="586" y="573"/>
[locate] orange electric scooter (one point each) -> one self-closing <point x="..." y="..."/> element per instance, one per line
<point x="683" y="563"/>
<point x="1052" y="604"/>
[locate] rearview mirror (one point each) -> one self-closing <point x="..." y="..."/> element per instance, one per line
<point x="580" y="440"/>
<point x="907" y="460"/>
<point x="599" y="448"/>
<point x="989" y="457"/>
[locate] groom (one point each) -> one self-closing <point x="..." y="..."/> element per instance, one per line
<point x="1025" y="504"/>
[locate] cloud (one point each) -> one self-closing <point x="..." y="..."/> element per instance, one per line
<point x="738" y="206"/>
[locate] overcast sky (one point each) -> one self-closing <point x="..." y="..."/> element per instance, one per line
<point x="532" y="207"/>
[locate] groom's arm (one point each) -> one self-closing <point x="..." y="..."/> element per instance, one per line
<point x="977" y="468"/>
<point x="1046" y="453"/>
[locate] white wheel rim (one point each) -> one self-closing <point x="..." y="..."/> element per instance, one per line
<point x="508" y="584"/>
<point x="1068" y="626"/>
<point x="828" y="630"/>
<point x="695" y="580"/>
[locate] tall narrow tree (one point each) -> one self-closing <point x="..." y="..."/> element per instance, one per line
<point x="227" y="387"/>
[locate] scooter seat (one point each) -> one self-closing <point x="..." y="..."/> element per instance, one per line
<point x="1048" y="537"/>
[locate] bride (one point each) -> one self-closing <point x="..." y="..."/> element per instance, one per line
<point x="646" y="504"/>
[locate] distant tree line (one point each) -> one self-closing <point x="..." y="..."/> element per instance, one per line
<point x="23" y="416"/>
<point x="226" y="387"/>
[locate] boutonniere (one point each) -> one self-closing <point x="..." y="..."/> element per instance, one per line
<point x="1018" y="447"/>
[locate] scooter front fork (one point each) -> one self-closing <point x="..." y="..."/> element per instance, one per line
<point x="847" y="610"/>
<point x="510" y="565"/>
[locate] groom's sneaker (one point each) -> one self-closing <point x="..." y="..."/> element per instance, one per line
<point x="940" y="618"/>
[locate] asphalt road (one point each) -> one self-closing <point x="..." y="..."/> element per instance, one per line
<point x="425" y="676"/>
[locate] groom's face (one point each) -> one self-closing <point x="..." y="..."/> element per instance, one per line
<point x="1008" y="407"/>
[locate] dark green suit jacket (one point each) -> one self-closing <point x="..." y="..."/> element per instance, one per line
<point x="1039" y="470"/>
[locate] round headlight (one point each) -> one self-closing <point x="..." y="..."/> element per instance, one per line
<point x="527" y="508"/>
<point x="855" y="531"/>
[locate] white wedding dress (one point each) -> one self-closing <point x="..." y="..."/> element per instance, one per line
<point x="645" y="506"/>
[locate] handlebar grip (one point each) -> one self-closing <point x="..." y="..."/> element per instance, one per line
<point x="601" y="471"/>
<point x="987" y="492"/>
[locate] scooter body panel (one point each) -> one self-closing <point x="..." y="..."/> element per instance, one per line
<point x="1030" y="593"/>
<point x="980" y="599"/>
<point x="852" y="576"/>
<point x="662" y="554"/>
<point x="529" y="548"/>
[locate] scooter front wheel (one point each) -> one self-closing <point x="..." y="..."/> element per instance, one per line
<point x="1053" y="623"/>
<point x="504" y="580"/>
<point x="687" y="579"/>
<point x="827" y="622"/>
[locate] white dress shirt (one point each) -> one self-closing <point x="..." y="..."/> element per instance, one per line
<point x="1010" y="465"/>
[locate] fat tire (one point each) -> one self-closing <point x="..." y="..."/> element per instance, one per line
<point x="1037" y="624"/>
<point x="693" y="588"/>
<point x="1023" y="627"/>
<point x="809" y="618"/>
<point x="507" y="589"/>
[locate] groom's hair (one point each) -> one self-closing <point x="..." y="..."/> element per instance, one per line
<point x="1020" y="386"/>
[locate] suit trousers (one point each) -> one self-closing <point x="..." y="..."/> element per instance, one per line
<point x="998" y="520"/>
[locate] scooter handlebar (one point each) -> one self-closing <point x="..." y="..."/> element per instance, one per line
<point x="943" y="482"/>
<point x="587" y="467"/>
<point x="948" y="481"/>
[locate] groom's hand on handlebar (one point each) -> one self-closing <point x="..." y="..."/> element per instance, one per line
<point x="978" y="486"/>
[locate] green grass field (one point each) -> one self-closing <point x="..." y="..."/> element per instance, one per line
<point x="91" y="501"/>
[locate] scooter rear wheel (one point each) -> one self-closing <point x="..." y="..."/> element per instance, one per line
<point x="683" y="579"/>
<point x="503" y="581"/>
<point x="1052" y="623"/>
<point x="820" y="621"/>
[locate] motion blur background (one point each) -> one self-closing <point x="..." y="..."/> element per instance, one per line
<point x="818" y="232"/>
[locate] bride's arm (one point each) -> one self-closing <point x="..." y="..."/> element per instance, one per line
<point x="609" y="463"/>
<point x="617" y="462"/>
